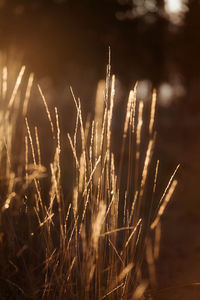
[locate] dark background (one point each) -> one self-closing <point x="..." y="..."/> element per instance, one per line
<point x="67" y="39"/>
<point x="66" y="43"/>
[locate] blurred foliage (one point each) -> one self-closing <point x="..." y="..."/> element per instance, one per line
<point x="65" y="39"/>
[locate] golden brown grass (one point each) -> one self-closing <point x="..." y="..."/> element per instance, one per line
<point x="89" y="245"/>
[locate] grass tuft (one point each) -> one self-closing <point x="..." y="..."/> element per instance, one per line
<point x="89" y="243"/>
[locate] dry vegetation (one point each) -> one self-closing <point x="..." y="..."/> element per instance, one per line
<point x="90" y="245"/>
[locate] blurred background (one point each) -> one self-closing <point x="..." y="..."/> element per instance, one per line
<point x="65" y="43"/>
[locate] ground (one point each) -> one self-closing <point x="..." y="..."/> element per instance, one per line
<point x="178" y="268"/>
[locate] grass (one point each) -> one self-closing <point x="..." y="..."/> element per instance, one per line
<point x="89" y="243"/>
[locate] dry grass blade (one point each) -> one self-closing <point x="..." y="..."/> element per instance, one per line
<point x="133" y="206"/>
<point x="99" y="106"/>
<point x="47" y="111"/>
<point x="97" y="225"/>
<point x="31" y="141"/>
<point x="138" y="140"/>
<point x="165" y="202"/>
<point x="128" y="119"/>
<point x="140" y="290"/>
<point x="151" y="262"/>
<point x="117" y="230"/>
<point x="157" y="241"/>
<point x="152" y="115"/>
<point x="168" y="185"/>
<point x="117" y="253"/>
<point x="26" y="159"/>
<point x="38" y="146"/>
<point x="125" y="271"/>
<point x="91" y="175"/>
<point x="4" y="82"/>
<point x="112" y="291"/>
<point x="58" y="129"/>
<point x="146" y="165"/>
<point x="17" y="84"/>
<point x="133" y="108"/>
<point x="47" y="219"/>
<point x="8" y="201"/>
<point x="73" y="150"/>
<point x="155" y="177"/>
<point x="132" y="233"/>
<point x="27" y="95"/>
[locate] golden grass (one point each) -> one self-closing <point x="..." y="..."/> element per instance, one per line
<point x="89" y="245"/>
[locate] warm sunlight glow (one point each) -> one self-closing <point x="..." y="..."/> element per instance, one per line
<point x="176" y="10"/>
<point x="173" y="6"/>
